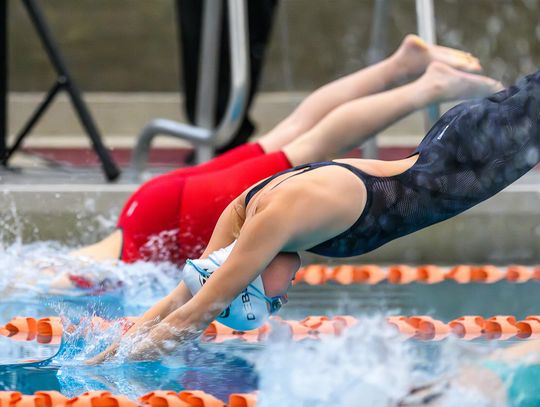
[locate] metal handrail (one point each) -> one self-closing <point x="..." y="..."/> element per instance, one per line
<point x="204" y="135"/>
<point x="425" y="20"/>
<point x="376" y="52"/>
<point x="240" y="77"/>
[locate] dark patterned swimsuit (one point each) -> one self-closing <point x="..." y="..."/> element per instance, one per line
<point x="474" y="151"/>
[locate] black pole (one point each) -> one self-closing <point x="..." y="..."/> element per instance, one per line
<point x="33" y="120"/>
<point x="111" y="170"/>
<point x="3" y="75"/>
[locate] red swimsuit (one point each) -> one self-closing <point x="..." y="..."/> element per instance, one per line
<point x="171" y="217"/>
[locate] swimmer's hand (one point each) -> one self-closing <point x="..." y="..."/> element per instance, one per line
<point x="107" y="354"/>
<point x="162" y="340"/>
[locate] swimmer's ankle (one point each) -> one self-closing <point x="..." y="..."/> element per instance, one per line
<point x="426" y="92"/>
<point x="394" y="64"/>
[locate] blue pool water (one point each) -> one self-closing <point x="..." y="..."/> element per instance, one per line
<point x="369" y="363"/>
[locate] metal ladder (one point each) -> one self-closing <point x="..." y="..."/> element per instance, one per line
<point x="203" y="135"/>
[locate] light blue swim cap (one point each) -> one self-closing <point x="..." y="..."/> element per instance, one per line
<point x="250" y="310"/>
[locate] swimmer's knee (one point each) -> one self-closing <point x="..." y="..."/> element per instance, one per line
<point x="109" y="248"/>
<point x="279" y="273"/>
<point x="291" y="261"/>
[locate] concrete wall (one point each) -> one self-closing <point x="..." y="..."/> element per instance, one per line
<point x="504" y="229"/>
<point x="121" y="116"/>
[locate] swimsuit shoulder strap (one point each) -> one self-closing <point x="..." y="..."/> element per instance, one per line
<point x="304" y="168"/>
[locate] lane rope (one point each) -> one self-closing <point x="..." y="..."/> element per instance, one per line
<point x="157" y="398"/>
<point x="371" y="274"/>
<point x="419" y="327"/>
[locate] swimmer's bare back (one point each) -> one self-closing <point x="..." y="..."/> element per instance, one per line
<point x="330" y="192"/>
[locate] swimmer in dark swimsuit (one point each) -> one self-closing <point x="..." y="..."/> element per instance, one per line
<point x="325" y="207"/>
<point x="171" y="217"/>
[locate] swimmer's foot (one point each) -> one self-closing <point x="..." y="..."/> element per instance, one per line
<point x="448" y="84"/>
<point x="414" y="56"/>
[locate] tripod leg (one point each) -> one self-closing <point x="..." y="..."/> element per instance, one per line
<point x="40" y="110"/>
<point x="111" y="170"/>
<point x="3" y="75"/>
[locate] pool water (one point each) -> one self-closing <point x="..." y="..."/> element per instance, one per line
<point x="216" y="371"/>
<point x="370" y="365"/>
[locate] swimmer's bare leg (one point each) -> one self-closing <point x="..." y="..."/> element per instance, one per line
<point x="109" y="248"/>
<point x="410" y="60"/>
<point x="354" y="122"/>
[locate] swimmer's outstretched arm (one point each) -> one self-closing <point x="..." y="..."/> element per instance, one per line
<point x="226" y="230"/>
<point x="158" y="312"/>
<point x="289" y="222"/>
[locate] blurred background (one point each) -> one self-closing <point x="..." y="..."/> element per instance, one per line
<point x="131" y="45"/>
<point x="125" y="57"/>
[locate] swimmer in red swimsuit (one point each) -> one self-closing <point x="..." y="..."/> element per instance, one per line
<point x="171" y="217"/>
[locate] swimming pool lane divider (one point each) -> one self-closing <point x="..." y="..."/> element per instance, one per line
<point x="158" y="398"/>
<point x="419" y="327"/>
<point x="318" y="274"/>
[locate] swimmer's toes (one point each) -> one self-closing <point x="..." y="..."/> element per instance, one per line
<point x="414" y="42"/>
<point x="454" y="84"/>
<point x="415" y="55"/>
<point x="463" y="61"/>
<point x="483" y="86"/>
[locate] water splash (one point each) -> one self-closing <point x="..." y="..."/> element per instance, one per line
<point x="44" y="268"/>
<point x="368" y="366"/>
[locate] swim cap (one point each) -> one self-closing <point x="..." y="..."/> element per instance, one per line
<point x="249" y="310"/>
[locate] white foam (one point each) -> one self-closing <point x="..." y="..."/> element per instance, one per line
<point x="370" y="365"/>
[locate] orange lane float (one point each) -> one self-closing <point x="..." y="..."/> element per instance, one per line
<point x="162" y="398"/>
<point x="49" y="330"/>
<point x="401" y="274"/>
<point x="518" y="274"/>
<point x="528" y="328"/>
<point x="487" y="274"/>
<point x="420" y="327"/>
<point x="217" y="332"/>
<point x="429" y="329"/>
<point x="364" y="274"/>
<point x="430" y="274"/>
<point x="467" y="327"/>
<point x="315" y="274"/>
<point x="200" y="398"/>
<point x="157" y="398"/>
<point x="500" y="327"/>
<point x="318" y="274"/>
<point x="402" y="325"/>
<point x="39" y="399"/>
<point x="21" y="328"/>
<point x="100" y="399"/>
<point x="243" y="400"/>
